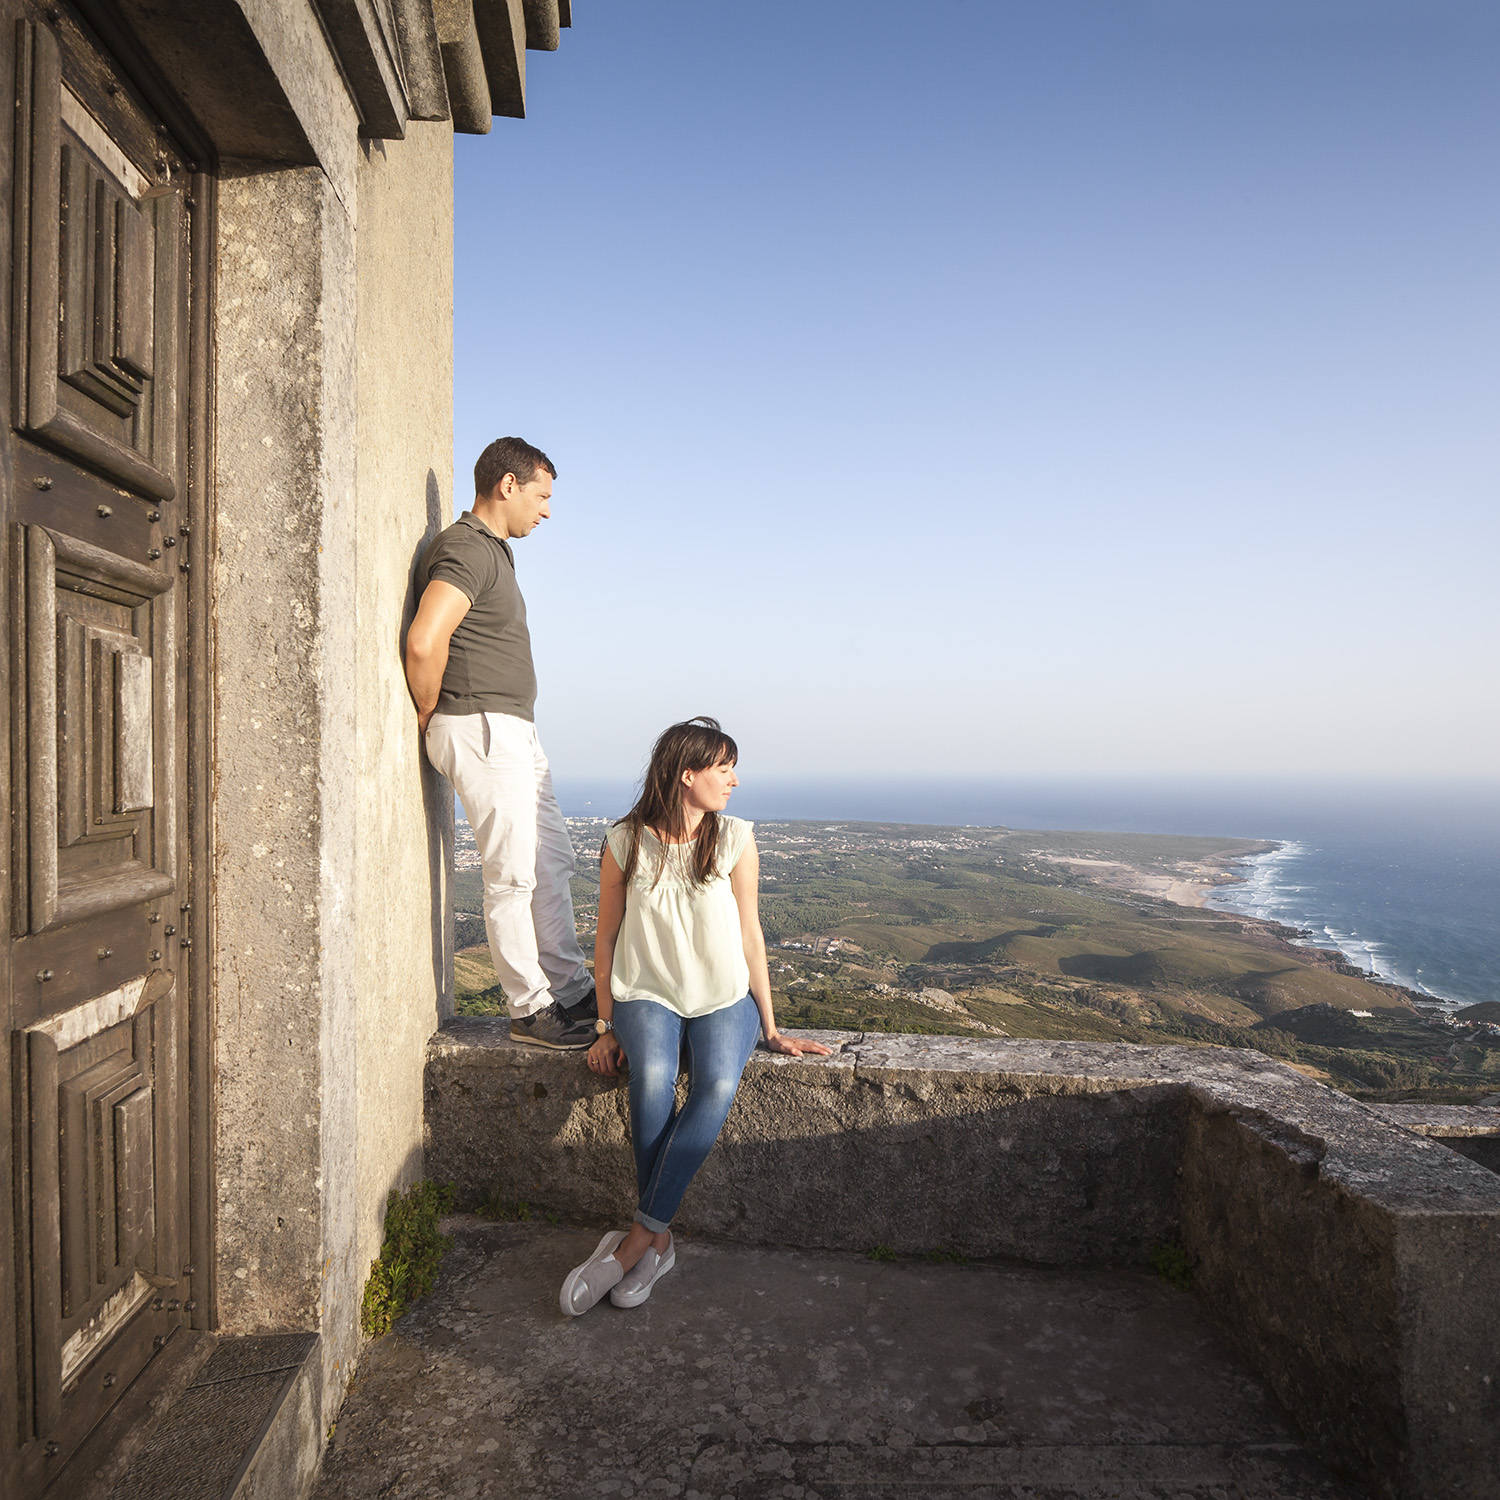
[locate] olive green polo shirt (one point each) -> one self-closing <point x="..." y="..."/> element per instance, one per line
<point x="489" y="656"/>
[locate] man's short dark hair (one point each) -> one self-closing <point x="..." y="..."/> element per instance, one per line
<point x="509" y="455"/>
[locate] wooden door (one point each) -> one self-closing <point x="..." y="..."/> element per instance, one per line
<point x="100" y="971"/>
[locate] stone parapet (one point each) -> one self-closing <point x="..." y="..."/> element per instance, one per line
<point x="1353" y="1261"/>
<point x="1443" y="1121"/>
<point x="1473" y="1130"/>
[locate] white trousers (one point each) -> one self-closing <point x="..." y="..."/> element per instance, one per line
<point x="496" y="765"/>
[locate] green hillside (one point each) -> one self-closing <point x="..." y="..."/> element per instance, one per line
<point x="987" y="932"/>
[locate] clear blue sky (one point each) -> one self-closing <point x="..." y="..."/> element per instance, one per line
<point x="1003" y="388"/>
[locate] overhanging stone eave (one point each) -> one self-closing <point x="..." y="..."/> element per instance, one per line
<point x="458" y="60"/>
<point x="484" y="45"/>
<point x="371" y="65"/>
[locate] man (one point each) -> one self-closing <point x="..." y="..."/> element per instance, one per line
<point x="468" y="664"/>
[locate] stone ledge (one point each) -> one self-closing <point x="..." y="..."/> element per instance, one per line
<point x="1443" y="1121"/>
<point x="1367" y="1148"/>
<point x="1473" y="1130"/>
<point x="1355" y="1262"/>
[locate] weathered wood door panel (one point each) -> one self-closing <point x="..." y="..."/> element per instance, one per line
<point x="101" y="973"/>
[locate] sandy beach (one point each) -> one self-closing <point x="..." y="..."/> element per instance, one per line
<point x="1192" y="886"/>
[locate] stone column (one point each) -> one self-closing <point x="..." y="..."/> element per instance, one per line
<point x="286" y="783"/>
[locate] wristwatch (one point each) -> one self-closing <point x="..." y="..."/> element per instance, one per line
<point x="602" y="1027"/>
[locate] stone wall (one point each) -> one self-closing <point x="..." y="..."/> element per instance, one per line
<point x="887" y="1143"/>
<point x="403" y="912"/>
<point x="333" y="839"/>
<point x="1314" y="1222"/>
<point x="1356" y="1264"/>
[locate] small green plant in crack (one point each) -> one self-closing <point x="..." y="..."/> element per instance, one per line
<point x="1173" y="1263"/>
<point x="407" y="1265"/>
<point x="494" y="1206"/>
<point x="882" y="1252"/>
<point x="947" y="1257"/>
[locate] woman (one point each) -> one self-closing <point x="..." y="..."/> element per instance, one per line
<point x="679" y="966"/>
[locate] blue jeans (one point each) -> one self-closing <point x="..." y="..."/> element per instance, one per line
<point x="671" y="1144"/>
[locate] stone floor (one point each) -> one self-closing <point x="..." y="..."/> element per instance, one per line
<point x="754" y="1373"/>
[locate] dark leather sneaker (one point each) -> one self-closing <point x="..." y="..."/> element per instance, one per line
<point x="585" y="1008"/>
<point x="551" y="1027"/>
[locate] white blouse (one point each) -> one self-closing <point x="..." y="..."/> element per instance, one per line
<point x="680" y="944"/>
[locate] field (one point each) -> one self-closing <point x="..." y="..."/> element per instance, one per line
<point x="906" y="928"/>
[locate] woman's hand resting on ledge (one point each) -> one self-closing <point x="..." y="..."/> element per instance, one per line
<point x="792" y="1046"/>
<point x="606" y="1055"/>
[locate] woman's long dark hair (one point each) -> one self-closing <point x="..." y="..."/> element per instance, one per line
<point x="694" y="745"/>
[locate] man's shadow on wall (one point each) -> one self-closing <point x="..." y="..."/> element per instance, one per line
<point x="437" y="795"/>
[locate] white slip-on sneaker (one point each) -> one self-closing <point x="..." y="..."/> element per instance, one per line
<point x="635" y="1285"/>
<point x="586" y="1284"/>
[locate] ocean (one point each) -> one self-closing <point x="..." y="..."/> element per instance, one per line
<point x="1403" y="878"/>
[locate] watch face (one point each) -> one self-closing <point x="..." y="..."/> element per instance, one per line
<point x="601" y="1026"/>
